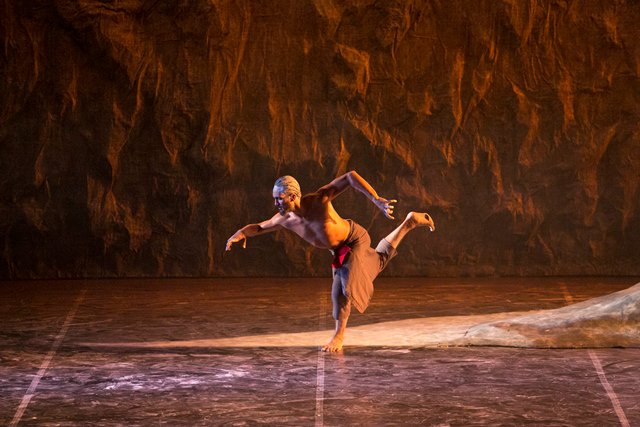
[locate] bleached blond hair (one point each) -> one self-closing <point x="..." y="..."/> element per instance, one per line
<point x="288" y="185"/>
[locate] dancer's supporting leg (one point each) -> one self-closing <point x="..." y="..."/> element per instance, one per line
<point x="341" y="312"/>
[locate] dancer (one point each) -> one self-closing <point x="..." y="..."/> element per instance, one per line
<point x="355" y="264"/>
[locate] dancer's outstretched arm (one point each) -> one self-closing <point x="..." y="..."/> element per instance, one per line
<point x="354" y="180"/>
<point x="251" y="230"/>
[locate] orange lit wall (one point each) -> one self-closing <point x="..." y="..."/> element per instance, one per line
<point x="136" y="136"/>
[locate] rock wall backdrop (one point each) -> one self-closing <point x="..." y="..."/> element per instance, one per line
<point x="137" y="135"/>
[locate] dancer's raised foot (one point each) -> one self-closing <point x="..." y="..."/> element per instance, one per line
<point x="421" y="219"/>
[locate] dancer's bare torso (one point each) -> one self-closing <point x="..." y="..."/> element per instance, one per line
<point x="317" y="222"/>
<point x="312" y="216"/>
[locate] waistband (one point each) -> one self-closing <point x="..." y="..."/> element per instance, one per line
<point x="346" y="241"/>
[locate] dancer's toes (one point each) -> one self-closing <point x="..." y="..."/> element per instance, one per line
<point x="422" y="219"/>
<point x="430" y="223"/>
<point x="334" y="346"/>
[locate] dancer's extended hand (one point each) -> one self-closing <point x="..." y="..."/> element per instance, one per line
<point x="385" y="206"/>
<point x="237" y="237"/>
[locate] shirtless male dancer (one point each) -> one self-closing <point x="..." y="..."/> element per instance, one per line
<point x="355" y="263"/>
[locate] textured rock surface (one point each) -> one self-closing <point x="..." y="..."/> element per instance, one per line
<point x="137" y="135"/>
<point x="608" y="321"/>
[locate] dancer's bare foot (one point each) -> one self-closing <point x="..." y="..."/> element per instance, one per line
<point x="334" y="345"/>
<point x="421" y="219"/>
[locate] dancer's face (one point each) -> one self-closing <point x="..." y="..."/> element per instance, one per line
<point x="283" y="202"/>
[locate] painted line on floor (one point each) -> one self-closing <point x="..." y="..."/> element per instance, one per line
<point x="624" y="422"/>
<point x="322" y="323"/>
<point x="47" y="360"/>
<point x="567" y="296"/>
<point x="613" y="397"/>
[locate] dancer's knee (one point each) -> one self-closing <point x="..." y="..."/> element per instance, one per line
<point x="386" y="252"/>
<point x="340" y="306"/>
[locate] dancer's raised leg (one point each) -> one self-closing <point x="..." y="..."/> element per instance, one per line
<point x="413" y="220"/>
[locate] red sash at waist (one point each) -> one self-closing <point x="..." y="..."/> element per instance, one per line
<point x="339" y="255"/>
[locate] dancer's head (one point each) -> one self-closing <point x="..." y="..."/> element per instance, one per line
<point x="286" y="191"/>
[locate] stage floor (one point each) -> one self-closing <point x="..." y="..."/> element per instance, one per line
<point x="246" y="352"/>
